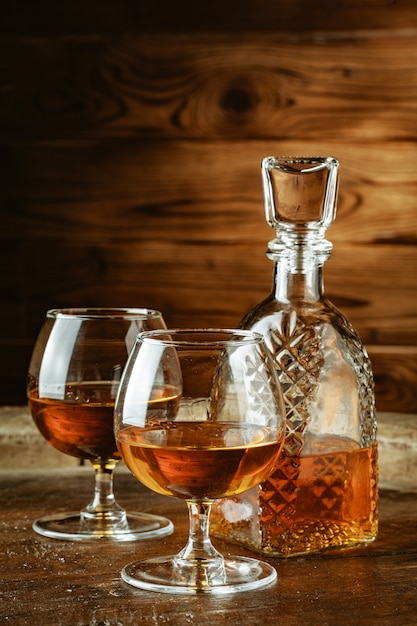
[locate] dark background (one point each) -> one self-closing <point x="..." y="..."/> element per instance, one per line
<point x="131" y="136"/>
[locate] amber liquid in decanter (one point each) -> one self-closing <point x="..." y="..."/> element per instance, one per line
<point x="323" y="493"/>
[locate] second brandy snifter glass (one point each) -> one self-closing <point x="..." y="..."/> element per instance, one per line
<point x="199" y="416"/>
<point x="73" y="379"/>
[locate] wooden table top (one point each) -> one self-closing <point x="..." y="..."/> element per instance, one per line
<point x="46" y="582"/>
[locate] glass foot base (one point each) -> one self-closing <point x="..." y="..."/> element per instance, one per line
<point x="163" y="574"/>
<point x="73" y="527"/>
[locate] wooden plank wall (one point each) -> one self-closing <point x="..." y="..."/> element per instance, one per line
<point x="131" y="136"/>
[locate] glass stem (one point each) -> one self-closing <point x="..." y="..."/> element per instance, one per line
<point x="199" y="562"/>
<point x="104" y="505"/>
<point x="199" y="547"/>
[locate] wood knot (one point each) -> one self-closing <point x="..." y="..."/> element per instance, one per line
<point x="238" y="100"/>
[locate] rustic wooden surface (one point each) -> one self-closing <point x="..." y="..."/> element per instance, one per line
<point x="131" y="136"/>
<point x="51" y="582"/>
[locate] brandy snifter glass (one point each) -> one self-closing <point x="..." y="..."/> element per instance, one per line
<point x="199" y="416"/>
<point x="73" y="379"/>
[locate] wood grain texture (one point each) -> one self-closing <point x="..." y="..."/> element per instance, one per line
<point x="53" y="582"/>
<point x="395" y="374"/>
<point x="195" y="190"/>
<point x="131" y="136"/>
<point x="184" y="238"/>
<point x="360" y="87"/>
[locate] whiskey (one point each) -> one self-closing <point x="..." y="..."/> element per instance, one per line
<point x="310" y="503"/>
<point x="80" y="424"/>
<point x="199" y="460"/>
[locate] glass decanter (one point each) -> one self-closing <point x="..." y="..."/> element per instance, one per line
<point x="323" y="494"/>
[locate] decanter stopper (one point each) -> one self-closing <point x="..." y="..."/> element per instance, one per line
<point x="300" y="200"/>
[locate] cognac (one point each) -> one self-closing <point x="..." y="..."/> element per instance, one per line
<point x="80" y="424"/>
<point x="199" y="460"/>
<point x="330" y="501"/>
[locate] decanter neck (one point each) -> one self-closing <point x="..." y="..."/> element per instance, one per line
<point x="298" y="271"/>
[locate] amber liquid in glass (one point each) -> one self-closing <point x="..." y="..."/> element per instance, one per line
<point x="199" y="460"/>
<point x="81" y="424"/>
